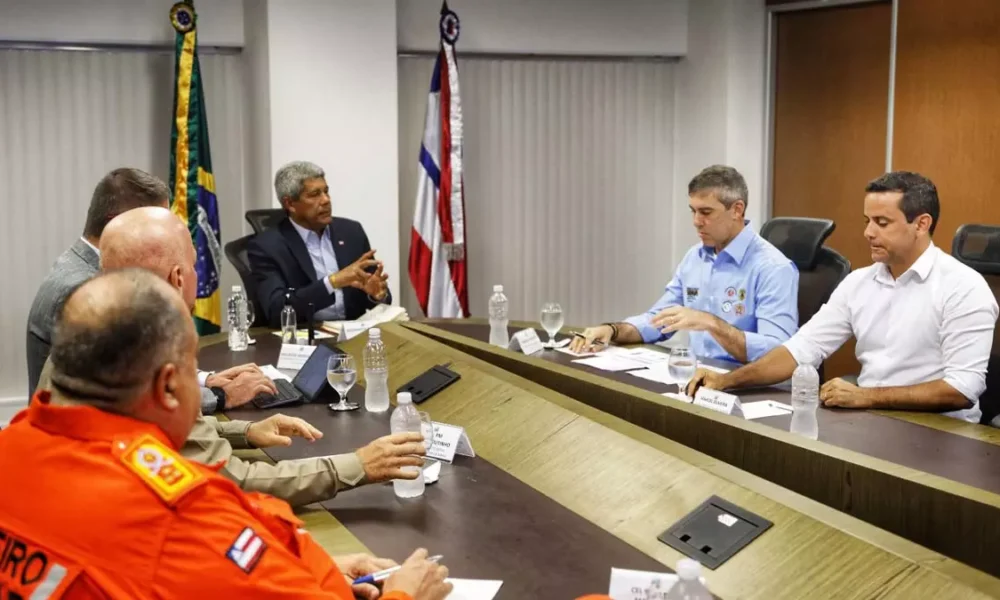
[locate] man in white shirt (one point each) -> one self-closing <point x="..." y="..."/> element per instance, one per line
<point x="923" y="321"/>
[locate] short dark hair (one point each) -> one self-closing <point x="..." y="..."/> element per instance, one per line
<point x="110" y="347"/>
<point x="920" y="195"/>
<point x="727" y="183"/>
<point x="119" y="191"/>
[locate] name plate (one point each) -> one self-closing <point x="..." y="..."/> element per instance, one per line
<point x="294" y="356"/>
<point x="450" y="440"/>
<point x="722" y="402"/>
<point x="627" y="584"/>
<point x="526" y="341"/>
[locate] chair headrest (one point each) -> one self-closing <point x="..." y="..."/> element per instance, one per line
<point x="978" y="246"/>
<point x="798" y="238"/>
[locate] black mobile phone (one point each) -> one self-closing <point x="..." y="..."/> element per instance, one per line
<point x="429" y="382"/>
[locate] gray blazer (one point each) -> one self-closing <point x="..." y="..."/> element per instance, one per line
<point x="72" y="268"/>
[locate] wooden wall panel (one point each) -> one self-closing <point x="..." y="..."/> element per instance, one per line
<point x="830" y="115"/>
<point x="947" y="109"/>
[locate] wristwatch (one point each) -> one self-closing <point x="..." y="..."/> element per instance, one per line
<point x="220" y="398"/>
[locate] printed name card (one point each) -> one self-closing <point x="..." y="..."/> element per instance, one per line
<point x="526" y="341"/>
<point x="450" y="440"/>
<point x="627" y="584"/>
<point x="294" y="356"/>
<point x="722" y="402"/>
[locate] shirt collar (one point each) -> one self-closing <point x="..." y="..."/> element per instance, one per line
<point x="737" y="247"/>
<point x="921" y="268"/>
<point x="92" y="247"/>
<point x="87" y="422"/>
<point x="305" y="234"/>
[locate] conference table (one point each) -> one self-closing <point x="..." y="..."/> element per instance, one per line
<point x="929" y="478"/>
<point x="560" y="492"/>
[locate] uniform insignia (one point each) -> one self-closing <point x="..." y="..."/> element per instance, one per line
<point x="727" y="306"/>
<point x="162" y="469"/>
<point x="247" y="550"/>
<point x="740" y="309"/>
<point x="742" y="295"/>
<point x="340" y="242"/>
<point x="730" y="292"/>
<point x="691" y="294"/>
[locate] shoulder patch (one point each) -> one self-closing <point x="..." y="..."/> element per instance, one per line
<point x="161" y="468"/>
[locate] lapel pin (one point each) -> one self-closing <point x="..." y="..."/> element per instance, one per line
<point x="340" y="242"/>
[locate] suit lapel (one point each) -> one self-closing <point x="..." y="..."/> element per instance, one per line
<point x="340" y="249"/>
<point x="297" y="247"/>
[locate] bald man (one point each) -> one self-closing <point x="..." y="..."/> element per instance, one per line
<point x="144" y="522"/>
<point x="155" y="239"/>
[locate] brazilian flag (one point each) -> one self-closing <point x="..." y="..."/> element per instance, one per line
<point x="192" y="185"/>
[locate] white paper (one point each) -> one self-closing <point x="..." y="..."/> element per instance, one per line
<point x="627" y="584"/>
<point x="432" y="472"/>
<point x="576" y="354"/>
<point x="473" y="589"/>
<point x="765" y="408"/>
<point x="302" y="335"/>
<point x="294" y="356"/>
<point x="562" y="342"/>
<point x="611" y="362"/>
<point x="446" y="442"/>
<point x="657" y="375"/>
<point x="678" y="397"/>
<point x="273" y="373"/>
<point x="648" y="356"/>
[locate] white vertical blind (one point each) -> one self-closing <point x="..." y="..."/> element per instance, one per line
<point x="66" y="119"/>
<point x="569" y="175"/>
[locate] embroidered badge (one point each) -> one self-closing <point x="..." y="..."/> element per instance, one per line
<point x="730" y="292"/>
<point x="740" y="309"/>
<point x="691" y="294"/>
<point x="727" y="306"/>
<point x="742" y="295"/>
<point x="161" y="468"/>
<point x="247" y="550"/>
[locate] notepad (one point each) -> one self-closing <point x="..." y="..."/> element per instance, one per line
<point x="474" y="589"/>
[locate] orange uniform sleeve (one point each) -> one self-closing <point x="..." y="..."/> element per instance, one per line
<point x="217" y="549"/>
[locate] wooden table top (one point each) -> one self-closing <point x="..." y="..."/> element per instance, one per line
<point x="559" y="493"/>
<point x="928" y="470"/>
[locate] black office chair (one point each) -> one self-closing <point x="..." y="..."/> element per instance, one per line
<point x="979" y="247"/>
<point x="821" y="269"/>
<point x="236" y="252"/>
<point x="262" y="219"/>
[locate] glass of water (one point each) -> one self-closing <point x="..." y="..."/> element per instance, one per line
<point x="552" y="321"/>
<point x="341" y="373"/>
<point x="681" y="366"/>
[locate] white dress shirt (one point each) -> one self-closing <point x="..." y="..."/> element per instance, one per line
<point x="324" y="261"/>
<point x="935" y="321"/>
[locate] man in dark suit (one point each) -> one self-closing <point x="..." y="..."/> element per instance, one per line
<point x="326" y="259"/>
<point x="119" y="191"/>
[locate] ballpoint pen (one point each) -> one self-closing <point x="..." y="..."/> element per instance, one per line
<point x="386" y="573"/>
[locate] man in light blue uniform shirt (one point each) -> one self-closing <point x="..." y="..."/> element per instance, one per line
<point x="735" y="293"/>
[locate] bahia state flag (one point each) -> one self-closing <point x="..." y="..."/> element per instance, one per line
<point x="192" y="185"/>
<point x="437" y="242"/>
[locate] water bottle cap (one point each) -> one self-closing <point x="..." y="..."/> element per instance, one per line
<point x="403" y="398"/>
<point x="688" y="569"/>
<point x="498" y="288"/>
<point x="374" y="333"/>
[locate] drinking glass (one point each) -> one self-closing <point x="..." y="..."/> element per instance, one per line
<point x="341" y="373"/>
<point x="681" y="366"/>
<point x="427" y="430"/>
<point x="552" y="321"/>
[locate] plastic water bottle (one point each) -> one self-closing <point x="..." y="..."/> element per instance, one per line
<point x="403" y="420"/>
<point x="376" y="373"/>
<point x="498" y="318"/>
<point x="805" y="400"/>
<point x="238" y="321"/>
<point x="689" y="585"/>
<point x="289" y="326"/>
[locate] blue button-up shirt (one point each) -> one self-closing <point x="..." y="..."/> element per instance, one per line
<point x="750" y="284"/>
<point x="324" y="263"/>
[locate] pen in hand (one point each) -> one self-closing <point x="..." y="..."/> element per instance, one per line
<point x="384" y="574"/>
